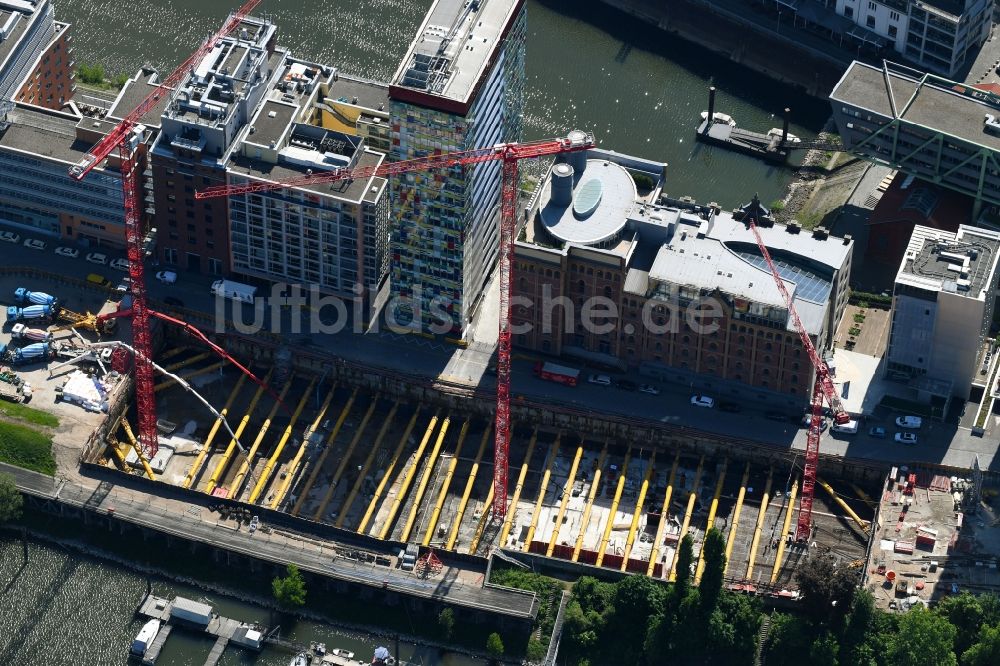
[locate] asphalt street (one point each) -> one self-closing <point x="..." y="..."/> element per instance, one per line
<point x="937" y="442"/>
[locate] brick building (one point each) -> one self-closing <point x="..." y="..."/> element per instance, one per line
<point x="199" y="128"/>
<point x="674" y="291"/>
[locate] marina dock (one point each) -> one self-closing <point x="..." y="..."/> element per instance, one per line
<point x="719" y="129"/>
<point x="768" y="148"/>
<point x="197" y="617"/>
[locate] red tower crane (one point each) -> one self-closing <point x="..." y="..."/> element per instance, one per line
<point x="822" y="388"/>
<point x="125" y="139"/>
<point x="509" y="154"/>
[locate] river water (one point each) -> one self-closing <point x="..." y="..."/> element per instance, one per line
<point x="588" y="67"/>
<point x="65" y="609"/>
<point x="638" y="90"/>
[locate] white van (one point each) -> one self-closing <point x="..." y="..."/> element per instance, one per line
<point x="237" y="291"/>
<point x="849" y="428"/>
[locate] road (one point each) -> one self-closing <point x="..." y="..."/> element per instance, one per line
<point x="939" y="443"/>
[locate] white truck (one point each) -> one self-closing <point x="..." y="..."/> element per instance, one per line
<point x="237" y="291"/>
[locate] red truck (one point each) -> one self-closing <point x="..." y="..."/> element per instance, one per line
<point x="557" y="373"/>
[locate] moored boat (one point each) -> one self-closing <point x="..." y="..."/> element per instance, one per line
<point x="718" y="117"/>
<point x="145" y="637"/>
<point x="776" y="132"/>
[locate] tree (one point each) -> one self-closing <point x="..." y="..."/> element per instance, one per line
<point x="860" y="641"/>
<point x="11" y="501"/>
<point x="987" y="651"/>
<point x="827" y="588"/>
<point x="685" y="556"/>
<point x="789" y="639"/>
<point x="732" y="629"/>
<point x="446" y="622"/>
<point x="715" y="567"/>
<point x="290" y="591"/>
<point x="923" y="639"/>
<point x="494" y="645"/>
<point x="824" y="649"/>
<point x="965" y="613"/>
<point x="637" y="600"/>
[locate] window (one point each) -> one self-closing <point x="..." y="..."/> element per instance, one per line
<point x="871" y="5"/>
<point x="870" y="21"/>
<point x="849" y="12"/>
<point x="893" y="32"/>
<point x="893" y="16"/>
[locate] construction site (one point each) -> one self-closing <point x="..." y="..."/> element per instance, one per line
<point x="409" y="484"/>
<point x="368" y="455"/>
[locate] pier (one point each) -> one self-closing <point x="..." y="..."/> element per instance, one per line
<point x="197" y="617"/>
<point x="773" y="147"/>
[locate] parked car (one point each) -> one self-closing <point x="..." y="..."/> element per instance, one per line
<point x="167" y="277"/>
<point x="908" y="438"/>
<point x="174" y="301"/>
<point x="94" y="278"/>
<point x="731" y="407"/>
<point x="912" y="422"/>
<point x="626" y="385"/>
<point x="10" y="237"/>
<point x="878" y="432"/>
<point x="650" y="389"/>
<point x="702" y="401"/>
<point x="120" y="264"/>
<point x="34" y="244"/>
<point x="602" y="380"/>
<point x="254" y="523"/>
<point x="97" y="258"/>
<point x="69" y="252"/>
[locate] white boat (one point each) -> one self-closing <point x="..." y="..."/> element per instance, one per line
<point x="718" y="117"/>
<point x="145" y="637"/>
<point x="301" y="659"/>
<point x="346" y="654"/>
<point x="776" y="132"/>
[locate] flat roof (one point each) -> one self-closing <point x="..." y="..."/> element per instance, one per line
<point x="831" y="252"/>
<point x="370" y="94"/>
<point x="191" y="606"/>
<point x="271" y="122"/>
<point x="929" y="101"/>
<point x="453" y="49"/>
<point x="961" y="263"/>
<point x="353" y="191"/>
<point x="132" y="95"/>
<point x="617" y="195"/>
<point x="45" y="133"/>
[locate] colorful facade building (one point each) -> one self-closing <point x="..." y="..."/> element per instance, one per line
<point x="459" y="87"/>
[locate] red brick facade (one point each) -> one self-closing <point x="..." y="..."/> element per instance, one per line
<point x="50" y="84"/>
<point x="737" y="350"/>
<point x="192" y="235"/>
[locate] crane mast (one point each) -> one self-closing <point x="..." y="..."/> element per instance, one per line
<point x="125" y="139"/>
<point x="822" y="388"/>
<point x="510" y="154"/>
